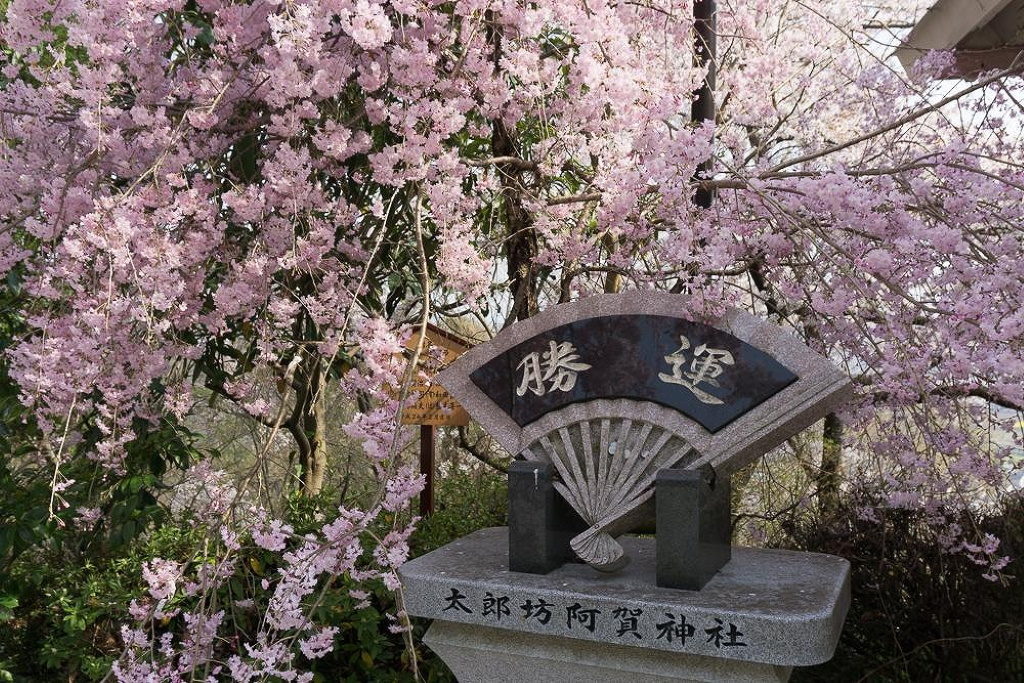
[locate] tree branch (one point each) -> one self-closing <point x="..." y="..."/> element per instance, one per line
<point x="477" y="452"/>
<point x="512" y="161"/>
<point x="575" y="198"/>
<point x="218" y="388"/>
<point x="951" y="393"/>
<point x="903" y="120"/>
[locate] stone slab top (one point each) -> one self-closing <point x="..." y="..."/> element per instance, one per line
<point x="770" y="606"/>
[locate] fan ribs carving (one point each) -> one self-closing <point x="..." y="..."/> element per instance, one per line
<point x="607" y="478"/>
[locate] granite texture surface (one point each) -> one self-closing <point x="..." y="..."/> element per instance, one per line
<point x="480" y="654"/>
<point x="769" y="606"/>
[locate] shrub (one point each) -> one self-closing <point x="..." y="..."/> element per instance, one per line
<point x="61" y="609"/>
<point x="920" y="612"/>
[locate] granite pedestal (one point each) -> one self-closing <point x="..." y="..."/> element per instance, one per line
<point x="763" y="613"/>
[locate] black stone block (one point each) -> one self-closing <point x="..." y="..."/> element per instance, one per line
<point x="693" y="535"/>
<point x="540" y="522"/>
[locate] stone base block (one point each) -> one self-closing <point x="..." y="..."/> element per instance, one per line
<point x="766" y="607"/>
<point x="482" y="654"/>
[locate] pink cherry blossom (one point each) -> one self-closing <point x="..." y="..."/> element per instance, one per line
<point x="237" y="201"/>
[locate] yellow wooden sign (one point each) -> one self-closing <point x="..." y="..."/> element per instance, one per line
<point x="434" y="405"/>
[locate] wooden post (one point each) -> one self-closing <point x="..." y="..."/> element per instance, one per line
<point x="433" y="405"/>
<point x="427" y="469"/>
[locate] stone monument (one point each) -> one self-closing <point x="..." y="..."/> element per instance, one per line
<point x="626" y="415"/>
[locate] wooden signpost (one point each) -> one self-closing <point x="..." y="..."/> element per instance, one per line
<point x="434" y="406"/>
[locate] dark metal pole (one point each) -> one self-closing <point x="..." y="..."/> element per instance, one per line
<point x="704" y="54"/>
<point x="427" y="469"/>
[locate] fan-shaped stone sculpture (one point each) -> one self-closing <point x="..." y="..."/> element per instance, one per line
<point x="607" y="468"/>
<point x="612" y="389"/>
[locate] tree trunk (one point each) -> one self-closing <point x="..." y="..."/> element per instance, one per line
<point x="309" y="429"/>
<point x="827" y="479"/>
<point x="831" y="460"/>
<point x="612" y="280"/>
<point x="520" y="238"/>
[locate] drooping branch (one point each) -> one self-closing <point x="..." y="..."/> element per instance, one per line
<point x="950" y="392"/>
<point x="1016" y="67"/>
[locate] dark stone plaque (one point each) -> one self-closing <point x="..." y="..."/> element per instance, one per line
<point x="705" y="373"/>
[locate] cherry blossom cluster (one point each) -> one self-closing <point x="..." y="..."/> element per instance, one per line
<point x="200" y="195"/>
